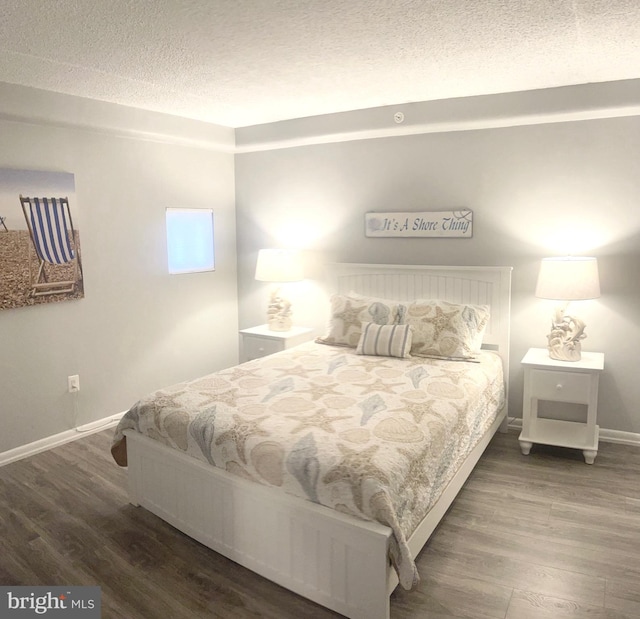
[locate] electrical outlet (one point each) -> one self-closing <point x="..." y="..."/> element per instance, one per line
<point x="74" y="383"/>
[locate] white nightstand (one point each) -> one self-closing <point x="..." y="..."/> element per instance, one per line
<point x="260" y="341"/>
<point x="561" y="381"/>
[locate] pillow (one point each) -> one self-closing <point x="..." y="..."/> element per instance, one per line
<point x="446" y="330"/>
<point x="349" y="312"/>
<point x="385" y="340"/>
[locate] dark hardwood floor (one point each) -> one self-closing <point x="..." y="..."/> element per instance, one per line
<point x="538" y="537"/>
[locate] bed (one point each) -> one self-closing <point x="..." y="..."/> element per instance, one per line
<point x="258" y="468"/>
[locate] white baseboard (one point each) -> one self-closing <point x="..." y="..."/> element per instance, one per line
<point x="618" y="436"/>
<point x="56" y="440"/>
<point x="606" y="436"/>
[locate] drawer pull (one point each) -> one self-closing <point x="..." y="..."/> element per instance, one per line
<point x="261" y="349"/>
<point x="559" y="386"/>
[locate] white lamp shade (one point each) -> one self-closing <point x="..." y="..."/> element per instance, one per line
<point x="279" y="265"/>
<point x="568" y="279"/>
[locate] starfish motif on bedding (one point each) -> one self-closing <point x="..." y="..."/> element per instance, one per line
<point x="350" y="316"/>
<point x="296" y="370"/>
<point x="319" y="391"/>
<point x="168" y="400"/>
<point x="238" y="372"/>
<point x="318" y="420"/>
<point x="455" y="375"/>
<point x="417" y="409"/>
<point x="209" y="397"/>
<point x="379" y="385"/>
<point x="354" y="468"/>
<point x="442" y="321"/>
<point x="368" y="365"/>
<point x="241" y="431"/>
<point x="160" y="404"/>
<point x="229" y="397"/>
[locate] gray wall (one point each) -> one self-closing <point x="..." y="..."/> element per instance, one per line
<point x="138" y="328"/>
<point x="536" y="191"/>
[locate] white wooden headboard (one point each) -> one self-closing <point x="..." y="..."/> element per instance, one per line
<point x="458" y="284"/>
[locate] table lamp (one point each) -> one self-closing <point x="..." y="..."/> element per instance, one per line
<point x="567" y="279"/>
<point x="279" y="266"/>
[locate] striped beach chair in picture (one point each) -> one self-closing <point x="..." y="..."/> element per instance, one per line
<point x="58" y="269"/>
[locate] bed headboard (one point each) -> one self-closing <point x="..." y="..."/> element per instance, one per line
<point x="476" y="285"/>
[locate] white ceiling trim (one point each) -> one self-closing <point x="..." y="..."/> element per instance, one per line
<point x="21" y="104"/>
<point x="568" y="104"/>
<point x="439" y="128"/>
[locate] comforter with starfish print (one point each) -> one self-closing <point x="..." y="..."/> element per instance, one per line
<point x="375" y="437"/>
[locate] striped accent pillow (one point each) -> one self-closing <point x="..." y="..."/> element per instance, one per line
<point x="384" y="340"/>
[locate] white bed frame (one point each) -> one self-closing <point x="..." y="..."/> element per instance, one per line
<point x="336" y="560"/>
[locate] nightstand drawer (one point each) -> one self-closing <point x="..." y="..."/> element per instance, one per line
<point x="561" y="386"/>
<point x="256" y="347"/>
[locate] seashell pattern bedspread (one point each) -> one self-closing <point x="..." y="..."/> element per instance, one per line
<point x="375" y="437"/>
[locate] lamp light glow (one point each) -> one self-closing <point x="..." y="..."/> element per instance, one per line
<point x="279" y="266"/>
<point x="567" y="279"/>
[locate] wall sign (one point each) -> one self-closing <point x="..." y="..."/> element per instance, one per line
<point x="456" y="224"/>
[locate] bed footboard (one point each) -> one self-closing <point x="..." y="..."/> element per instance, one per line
<point x="335" y="560"/>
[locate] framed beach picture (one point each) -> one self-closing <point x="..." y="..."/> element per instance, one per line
<point x="39" y="239"/>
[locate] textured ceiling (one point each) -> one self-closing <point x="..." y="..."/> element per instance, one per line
<point x="246" y="62"/>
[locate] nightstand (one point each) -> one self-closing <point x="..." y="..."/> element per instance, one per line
<point x="260" y="341"/>
<point x="561" y="381"/>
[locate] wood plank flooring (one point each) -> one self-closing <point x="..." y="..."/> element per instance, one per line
<point x="543" y="536"/>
